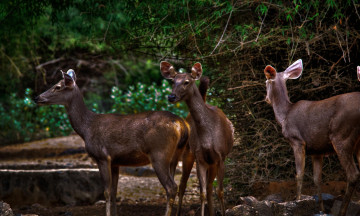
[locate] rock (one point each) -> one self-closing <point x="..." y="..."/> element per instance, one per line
<point x="249" y="200"/>
<point x="263" y="208"/>
<point x="51" y="187"/>
<point x="275" y="198"/>
<point x="306" y="206"/>
<point x="241" y="210"/>
<point x="5" y="209"/>
<point x="100" y="202"/>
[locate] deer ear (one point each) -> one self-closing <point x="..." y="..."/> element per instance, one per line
<point x="167" y="70"/>
<point x="358" y="72"/>
<point x="196" y="71"/>
<point x="72" y="74"/>
<point x="294" y="71"/>
<point x="270" y="72"/>
<point x="68" y="77"/>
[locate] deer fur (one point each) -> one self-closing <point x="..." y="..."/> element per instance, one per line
<point x="113" y="140"/>
<point x="211" y="135"/>
<point x="317" y="128"/>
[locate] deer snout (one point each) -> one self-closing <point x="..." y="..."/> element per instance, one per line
<point x="36" y="99"/>
<point x="39" y="100"/>
<point x="172" y="98"/>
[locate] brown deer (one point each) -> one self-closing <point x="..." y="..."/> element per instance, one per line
<point x="317" y="128"/>
<point x="113" y="140"/>
<point x="211" y="134"/>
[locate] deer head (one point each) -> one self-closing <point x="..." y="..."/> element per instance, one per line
<point x="61" y="92"/>
<point x="276" y="82"/>
<point x="183" y="83"/>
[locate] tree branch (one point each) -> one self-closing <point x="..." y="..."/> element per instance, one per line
<point x="220" y="40"/>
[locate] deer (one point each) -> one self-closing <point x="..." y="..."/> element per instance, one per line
<point x="211" y="134"/>
<point x="113" y="140"/>
<point x="317" y="128"/>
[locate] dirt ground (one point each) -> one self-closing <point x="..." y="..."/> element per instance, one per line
<point x="138" y="193"/>
<point x="136" y="196"/>
<point x="139" y="209"/>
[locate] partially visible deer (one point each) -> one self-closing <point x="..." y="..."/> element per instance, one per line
<point x="114" y="140"/>
<point x="211" y="134"/>
<point x="317" y="128"/>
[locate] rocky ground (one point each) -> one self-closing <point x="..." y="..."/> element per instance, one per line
<point x="56" y="177"/>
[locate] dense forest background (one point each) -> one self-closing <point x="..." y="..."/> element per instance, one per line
<point x="115" y="47"/>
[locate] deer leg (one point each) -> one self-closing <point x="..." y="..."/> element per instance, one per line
<point x="105" y="172"/>
<point x="209" y="188"/>
<point x="175" y="160"/>
<point x="162" y="170"/>
<point x="220" y="178"/>
<point x="345" y="156"/>
<point x="201" y="169"/>
<point x="299" y="153"/>
<point x="317" y="171"/>
<point x="114" y="181"/>
<point x="188" y="162"/>
<point x="350" y="186"/>
<point x="352" y="179"/>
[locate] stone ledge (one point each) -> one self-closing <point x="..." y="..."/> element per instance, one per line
<point x="51" y="187"/>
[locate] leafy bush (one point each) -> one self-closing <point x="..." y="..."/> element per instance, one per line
<point x="22" y="120"/>
<point x="144" y="97"/>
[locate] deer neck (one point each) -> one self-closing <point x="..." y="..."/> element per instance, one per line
<point x="197" y="107"/>
<point x="80" y="116"/>
<point x="281" y="104"/>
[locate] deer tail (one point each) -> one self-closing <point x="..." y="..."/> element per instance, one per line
<point x="203" y="86"/>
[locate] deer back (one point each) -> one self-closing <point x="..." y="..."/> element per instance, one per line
<point x="312" y="122"/>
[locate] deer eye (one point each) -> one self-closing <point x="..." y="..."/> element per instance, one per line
<point x="186" y="82"/>
<point x="57" y="87"/>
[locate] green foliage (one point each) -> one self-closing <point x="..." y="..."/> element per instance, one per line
<point x="262" y="8"/>
<point x="46" y="30"/>
<point x="143" y="97"/>
<point x="22" y="120"/>
<point x="145" y="72"/>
